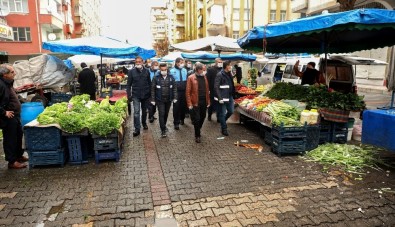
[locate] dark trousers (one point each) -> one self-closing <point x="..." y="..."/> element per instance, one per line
<point x="139" y="104"/>
<point x="198" y="114"/>
<point x="179" y="108"/>
<point x="213" y="107"/>
<point x="12" y="139"/>
<point x="163" y="110"/>
<point x="151" y="110"/>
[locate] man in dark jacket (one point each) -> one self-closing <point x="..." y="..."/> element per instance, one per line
<point x="87" y="79"/>
<point x="163" y="93"/>
<point x="10" y="119"/>
<point x="211" y="74"/>
<point x="224" y="91"/>
<point x="138" y="91"/>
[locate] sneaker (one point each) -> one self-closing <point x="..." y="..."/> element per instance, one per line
<point x="198" y="140"/>
<point x="176" y="127"/>
<point x="136" y="133"/>
<point x="163" y="135"/>
<point x="225" y="132"/>
<point x="16" y="165"/>
<point x="145" y="127"/>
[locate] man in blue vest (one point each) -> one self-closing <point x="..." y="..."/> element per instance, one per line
<point x="138" y="91"/>
<point x="179" y="108"/>
<point x="163" y="93"/>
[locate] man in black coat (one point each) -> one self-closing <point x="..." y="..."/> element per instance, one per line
<point x="211" y="74"/>
<point x="87" y="80"/>
<point x="139" y="91"/>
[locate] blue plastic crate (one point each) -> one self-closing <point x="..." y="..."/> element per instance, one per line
<point x="289" y="146"/>
<point x="107" y="154"/>
<point x="268" y="136"/>
<point x="43" y="138"/>
<point x="105" y="143"/>
<point x="41" y="158"/>
<point x="78" y="149"/>
<point x="378" y="128"/>
<point x="312" y="137"/>
<point x="325" y="137"/>
<point x="339" y="136"/>
<point x="60" y="97"/>
<point x="104" y="94"/>
<point x="289" y="131"/>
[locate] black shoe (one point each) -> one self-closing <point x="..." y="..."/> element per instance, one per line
<point x="176" y="127"/>
<point x="182" y="122"/>
<point x="209" y="118"/>
<point x="136" y="133"/>
<point x="151" y="119"/>
<point x="197" y="140"/>
<point x="218" y="121"/>
<point x="163" y="135"/>
<point x="225" y="132"/>
<point x="145" y="127"/>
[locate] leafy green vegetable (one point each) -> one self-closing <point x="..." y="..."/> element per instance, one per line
<point x="72" y="122"/>
<point x="82" y="99"/>
<point x="104" y="123"/>
<point x="44" y="119"/>
<point x="283" y="113"/>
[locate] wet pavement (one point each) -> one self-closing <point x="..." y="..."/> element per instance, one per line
<point x="214" y="183"/>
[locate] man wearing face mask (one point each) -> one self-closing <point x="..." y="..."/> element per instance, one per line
<point x="148" y="63"/>
<point x="153" y="70"/>
<point x="138" y="91"/>
<point x="198" y="98"/>
<point x="163" y="93"/>
<point x="179" y="108"/>
<point x="211" y="74"/>
<point x="10" y="119"/>
<point x="224" y="91"/>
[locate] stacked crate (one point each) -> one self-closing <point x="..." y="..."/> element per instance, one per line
<point x="44" y="146"/>
<point x="312" y="137"/>
<point x="339" y="132"/>
<point x="106" y="147"/>
<point x="288" y="140"/>
<point x="325" y="131"/>
<point x="77" y="145"/>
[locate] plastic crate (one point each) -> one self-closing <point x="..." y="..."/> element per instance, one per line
<point x="268" y="136"/>
<point x="339" y="136"/>
<point x="104" y="94"/>
<point x="105" y="142"/>
<point x="312" y="137"/>
<point x="289" y="132"/>
<point x="107" y="154"/>
<point x="288" y="146"/>
<point x="123" y="86"/>
<point x="336" y="126"/>
<point x="325" y="137"/>
<point x="60" y="97"/>
<point x="43" y="138"/>
<point x="78" y="149"/>
<point x="41" y="158"/>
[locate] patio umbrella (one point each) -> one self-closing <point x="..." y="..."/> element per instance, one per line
<point x="343" y="32"/>
<point x="210" y="43"/>
<point x="202" y="55"/>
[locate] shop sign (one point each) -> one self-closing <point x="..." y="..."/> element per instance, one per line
<point x="6" y="32"/>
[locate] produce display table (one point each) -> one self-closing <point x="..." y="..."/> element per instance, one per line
<point x="378" y="130"/>
<point x="116" y="94"/>
<point x="261" y="117"/>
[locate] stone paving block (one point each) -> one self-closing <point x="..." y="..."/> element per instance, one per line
<point x="330" y="184"/>
<point x="198" y="223"/>
<point x="144" y="221"/>
<point x="274" y="196"/>
<point x="219" y="211"/>
<point x="231" y="224"/>
<point x="224" y="203"/>
<point x="177" y="209"/>
<point x="284" y="209"/>
<point x="193" y="207"/>
<point x="185" y="216"/>
<point x="205" y="205"/>
<point x="270" y="210"/>
<point x="302" y="221"/>
<point x="235" y="216"/>
<point x="267" y="218"/>
<point x="272" y="203"/>
<point x="251" y="221"/>
<point x="7" y="221"/>
<point x="242" y="200"/>
<point x="7" y="195"/>
<point x="203" y="213"/>
<point x="318" y="219"/>
<point x="217" y="219"/>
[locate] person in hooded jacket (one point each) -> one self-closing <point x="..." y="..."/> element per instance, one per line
<point x="179" y="108"/>
<point x="87" y="79"/>
<point x="10" y="119"/>
<point x="138" y="91"/>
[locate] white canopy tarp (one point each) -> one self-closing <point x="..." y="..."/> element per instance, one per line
<point x="76" y="60"/>
<point x="210" y="43"/>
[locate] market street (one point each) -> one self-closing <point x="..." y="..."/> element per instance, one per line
<point x="213" y="183"/>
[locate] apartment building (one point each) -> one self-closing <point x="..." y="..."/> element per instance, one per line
<point x="29" y="23"/>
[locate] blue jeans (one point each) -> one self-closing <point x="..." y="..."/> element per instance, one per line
<point x="137" y="104"/>
<point x="225" y="111"/>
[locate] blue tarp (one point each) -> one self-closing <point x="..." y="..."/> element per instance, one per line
<point x="98" y="45"/>
<point x="209" y="56"/>
<point x="342" y="32"/>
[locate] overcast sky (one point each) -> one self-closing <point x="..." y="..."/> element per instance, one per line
<point x="127" y="19"/>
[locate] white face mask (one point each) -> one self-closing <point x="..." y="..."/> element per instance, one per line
<point x="182" y="65"/>
<point x="189" y="65"/>
<point x="163" y="73"/>
<point x="139" y="66"/>
<point x="156" y="67"/>
<point x="220" y="65"/>
<point x="149" y="64"/>
<point x="204" y="73"/>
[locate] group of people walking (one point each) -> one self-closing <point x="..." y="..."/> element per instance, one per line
<point x="192" y="92"/>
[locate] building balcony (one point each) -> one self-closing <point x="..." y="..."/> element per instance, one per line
<point x="179" y="11"/>
<point x="77" y="20"/>
<point x="50" y="19"/>
<point x="301" y="7"/>
<point x="318" y="8"/>
<point x="216" y="29"/>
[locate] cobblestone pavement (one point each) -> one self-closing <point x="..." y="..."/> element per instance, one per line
<point x="214" y="183"/>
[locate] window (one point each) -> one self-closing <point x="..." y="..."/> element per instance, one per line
<point x="246" y="14"/>
<point x="21" y="34"/>
<point x="235" y="35"/>
<point x="272" y="15"/>
<point x="283" y="15"/>
<point x="17" y="5"/>
<point x="236" y="14"/>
